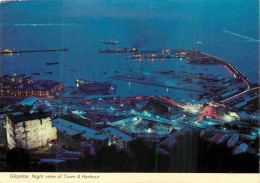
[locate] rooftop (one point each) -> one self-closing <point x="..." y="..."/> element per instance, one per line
<point x="44" y="84"/>
<point x="73" y="128"/>
<point x="117" y="118"/>
<point x="118" y="133"/>
<point x="27" y="117"/>
<point x="28" y="101"/>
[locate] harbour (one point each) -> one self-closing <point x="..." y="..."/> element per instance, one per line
<point x="140" y="82"/>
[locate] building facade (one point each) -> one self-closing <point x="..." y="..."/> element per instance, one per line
<point x="29" y="131"/>
<point x="24" y="87"/>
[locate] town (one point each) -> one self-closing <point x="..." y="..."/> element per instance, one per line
<point x="68" y="128"/>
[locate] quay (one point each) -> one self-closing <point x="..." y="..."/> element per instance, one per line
<point x="125" y="50"/>
<point x="7" y="51"/>
<point x="232" y="68"/>
<point x="158" y="84"/>
<point x="153" y="56"/>
<point x="135" y="50"/>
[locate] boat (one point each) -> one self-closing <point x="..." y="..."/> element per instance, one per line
<point x="36" y="73"/>
<point x="8" y="51"/>
<point x="48" y="72"/>
<point x="130" y="70"/>
<point x="110" y="42"/>
<point x="105" y="73"/>
<point x="72" y="70"/>
<point x="52" y="63"/>
<point x="92" y="87"/>
<point x="116" y="72"/>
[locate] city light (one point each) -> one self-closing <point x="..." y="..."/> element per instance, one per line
<point x="228" y="118"/>
<point x="136" y="101"/>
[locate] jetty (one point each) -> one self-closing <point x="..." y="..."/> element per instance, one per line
<point x="7" y="51"/>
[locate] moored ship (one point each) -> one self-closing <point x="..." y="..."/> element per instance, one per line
<point x="91" y="87"/>
<point x="110" y="42"/>
<point x="52" y="63"/>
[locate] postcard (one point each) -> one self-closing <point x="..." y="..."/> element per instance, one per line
<point x="126" y="90"/>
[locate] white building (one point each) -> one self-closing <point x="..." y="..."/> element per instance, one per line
<point x="117" y="137"/>
<point x="29" y="131"/>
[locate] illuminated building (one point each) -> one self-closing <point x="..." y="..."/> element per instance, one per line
<point x="117" y="137"/>
<point x="29" y="131"/>
<point x="23" y="87"/>
<point x="89" y="87"/>
<point x="120" y="121"/>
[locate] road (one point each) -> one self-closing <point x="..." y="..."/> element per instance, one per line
<point x="139" y="119"/>
<point x="227" y="100"/>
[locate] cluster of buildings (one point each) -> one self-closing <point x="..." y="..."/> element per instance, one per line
<point x="110" y="120"/>
<point x="234" y="141"/>
<point x="21" y="86"/>
<point x="68" y="140"/>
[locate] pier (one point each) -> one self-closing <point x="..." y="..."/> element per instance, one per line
<point x="7" y="51"/>
<point x="232" y="68"/>
<point x="153" y="56"/>
<point x="135" y="50"/>
<point x="158" y="84"/>
<point x="125" y="50"/>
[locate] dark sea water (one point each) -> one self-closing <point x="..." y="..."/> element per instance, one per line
<point x="80" y="25"/>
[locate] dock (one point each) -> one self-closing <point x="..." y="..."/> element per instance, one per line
<point x="153" y="56"/>
<point x="158" y="84"/>
<point x="125" y="50"/>
<point x="7" y="51"/>
<point x="135" y="50"/>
